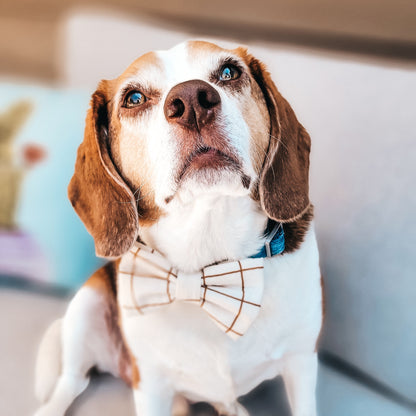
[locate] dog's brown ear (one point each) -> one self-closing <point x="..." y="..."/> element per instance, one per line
<point x="98" y="194"/>
<point x="284" y="180"/>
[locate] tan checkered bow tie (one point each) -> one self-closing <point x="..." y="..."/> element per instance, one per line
<point x="229" y="292"/>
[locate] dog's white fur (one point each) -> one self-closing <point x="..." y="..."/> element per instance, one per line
<point x="179" y="351"/>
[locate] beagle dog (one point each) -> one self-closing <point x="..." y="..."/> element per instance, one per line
<point x="194" y="160"/>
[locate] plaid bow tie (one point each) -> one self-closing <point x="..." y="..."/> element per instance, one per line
<point x="229" y="292"/>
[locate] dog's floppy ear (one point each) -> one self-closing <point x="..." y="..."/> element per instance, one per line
<point x="284" y="180"/>
<point x="98" y="194"/>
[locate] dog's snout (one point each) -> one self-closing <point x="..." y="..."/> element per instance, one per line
<point x="192" y="104"/>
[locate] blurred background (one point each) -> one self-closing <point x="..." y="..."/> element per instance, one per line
<point x="348" y="68"/>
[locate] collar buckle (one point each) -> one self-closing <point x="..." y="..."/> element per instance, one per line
<point x="270" y="237"/>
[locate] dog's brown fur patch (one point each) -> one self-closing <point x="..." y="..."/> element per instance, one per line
<point x="104" y="282"/>
<point x="284" y="181"/>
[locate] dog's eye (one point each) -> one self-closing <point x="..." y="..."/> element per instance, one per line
<point x="229" y="72"/>
<point x="134" y="99"/>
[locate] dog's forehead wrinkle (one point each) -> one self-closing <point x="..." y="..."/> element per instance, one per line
<point x="141" y="81"/>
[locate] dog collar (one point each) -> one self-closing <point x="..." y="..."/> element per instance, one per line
<point x="274" y="243"/>
<point x="275" y="240"/>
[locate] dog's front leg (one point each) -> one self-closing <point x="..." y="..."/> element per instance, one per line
<point x="153" y="396"/>
<point x="299" y="375"/>
<point x="236" y="409"/>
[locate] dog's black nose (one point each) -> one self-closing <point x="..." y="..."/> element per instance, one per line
<point x="192" y="104"/>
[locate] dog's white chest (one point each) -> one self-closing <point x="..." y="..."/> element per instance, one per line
<point x="181" y="344"/>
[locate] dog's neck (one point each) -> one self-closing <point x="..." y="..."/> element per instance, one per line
<point x="207" y="230"/>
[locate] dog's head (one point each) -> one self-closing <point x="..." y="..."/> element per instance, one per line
<point x="178" y="124"/>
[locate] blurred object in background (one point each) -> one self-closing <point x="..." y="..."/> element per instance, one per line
<point x="348" y="70"/>
<point x="41" y="222"/>
<point x="11" y="174"/>
<point x="384" y="28"/>
<point x="20" y="255"/>
<point x="32" y="154"/>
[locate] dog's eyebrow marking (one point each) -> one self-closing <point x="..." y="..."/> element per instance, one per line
<point x="230" y="60"/>
<point x="246" y="180"/>
<point x="148" y="61"/>
<point x="142" y="73"/>
<point x="168" y="199"/>
<point x="226" y="60"/>
<point x="133" y="86"/>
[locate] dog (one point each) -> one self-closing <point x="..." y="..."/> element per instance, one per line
<point x="191" y="156"/>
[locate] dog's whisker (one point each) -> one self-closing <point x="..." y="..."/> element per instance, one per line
<point x="266" y="154"/>
<point x="139" y="197"/>
<point x="268" y="158"/>
<point x="281" y="142"/>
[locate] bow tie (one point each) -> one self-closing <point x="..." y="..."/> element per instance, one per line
<point x="230" y="292"/>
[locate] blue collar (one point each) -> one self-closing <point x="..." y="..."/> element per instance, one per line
<point x="275" y="241"/>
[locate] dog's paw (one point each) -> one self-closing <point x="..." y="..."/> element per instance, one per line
<point x="46" y="410"/>
<point x="236" y="410"/>
<point x="242" y="411"/>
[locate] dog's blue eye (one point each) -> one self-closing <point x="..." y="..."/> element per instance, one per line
<point x="134" y="99"/>
<point x="229" y="72"/>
